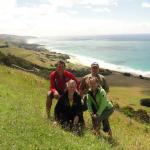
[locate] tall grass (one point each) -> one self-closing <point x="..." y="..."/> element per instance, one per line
<point x="23" y="124"/>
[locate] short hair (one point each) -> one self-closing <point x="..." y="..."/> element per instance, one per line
<point x="61" y="62"/>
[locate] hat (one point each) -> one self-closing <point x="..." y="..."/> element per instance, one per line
<point x="94" y="64"/>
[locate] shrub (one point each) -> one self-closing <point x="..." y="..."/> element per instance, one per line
<point x="145" y="102"/>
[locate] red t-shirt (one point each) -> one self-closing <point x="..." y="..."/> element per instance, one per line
<point x="58" y="83"/>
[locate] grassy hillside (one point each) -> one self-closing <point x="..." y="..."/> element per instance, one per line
<point x="23" y="124"/>
<point x="42" y="59"/>
<point x="35" y="57"/>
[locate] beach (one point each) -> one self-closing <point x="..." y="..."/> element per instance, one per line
<point x="113" y="53"/>
<point x="119" y="78"/>
<point x="80" y="65"/>
<point x="126" y="90"/>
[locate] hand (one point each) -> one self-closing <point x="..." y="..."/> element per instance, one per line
<point x="54" y="124"/>
<point x="76" y="120"/>
<point x="82" y="101"/>
<point x="94" y="116"/>
<point x="56" y="94"/>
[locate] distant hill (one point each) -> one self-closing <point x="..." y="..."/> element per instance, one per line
<point x="14" y="38"/>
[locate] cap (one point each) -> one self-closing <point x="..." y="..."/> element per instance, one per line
<point x="94" y="64"/>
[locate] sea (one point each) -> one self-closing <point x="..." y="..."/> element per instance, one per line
<point x="124" y="53"/>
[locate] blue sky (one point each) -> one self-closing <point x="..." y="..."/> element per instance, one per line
<point x="74" y="17"/>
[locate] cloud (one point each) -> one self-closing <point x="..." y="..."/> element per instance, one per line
<point x="71" y="3"/>
<point x="7" y="6"/>
<point x="47" y="19"/>
<point x="102" y="10"/>
<point x="64" y="3"/>
<point x="73" y="12"/>
<point x="100" y="2"/>
<point x="146" y="5"/>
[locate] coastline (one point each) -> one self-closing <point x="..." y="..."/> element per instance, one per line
<point x="77" y="61"/>
<point x="80" y="67"/>
<point x="82" y="61"/>
<point x="86" y="61"/>
<point x="114" y="78"/>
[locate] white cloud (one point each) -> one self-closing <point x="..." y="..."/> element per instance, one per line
<point x="102" y="10"/>
<point x="86" y="3"/>
<point x="100" y="2"/>
<point x="47" y="20"/>
<point x="6" y="6"/>
<point x="63" y="3"/>
<point x="67" y="26"/>
<point x="73" y="12"/>
<point x="146" y="5"/>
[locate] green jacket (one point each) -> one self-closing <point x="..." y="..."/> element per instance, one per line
<point x="100" y="103"/>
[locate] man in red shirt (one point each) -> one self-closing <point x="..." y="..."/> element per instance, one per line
<point x="58" y="81"/>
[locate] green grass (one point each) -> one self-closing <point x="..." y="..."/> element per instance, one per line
<point x="23" y="124"/>
<point x="2" y="42"/>
<point x="126" y="96"/>
<point x="36" y="57"/>
<point x="40" y="58"/>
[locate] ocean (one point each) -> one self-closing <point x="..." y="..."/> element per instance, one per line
<point x="124" y="53"/>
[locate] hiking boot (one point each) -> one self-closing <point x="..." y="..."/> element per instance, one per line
<point x="109" y="134"/>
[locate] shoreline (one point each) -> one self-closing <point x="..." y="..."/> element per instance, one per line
<point x="24" y="42"/>
<point x="115" y="78"/>
<point x="77" y="61"/>
<point x="120" y="79"/>
<point x="75" y="64"/>
<point x="86" y="61"/>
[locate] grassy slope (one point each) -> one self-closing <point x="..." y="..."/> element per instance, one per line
<point x="126" y="96"/>
<point x="35" y="57"/>
<point x="2" y="42"/>
<point x="40" y="58"/>
<point x="23" y="124"/>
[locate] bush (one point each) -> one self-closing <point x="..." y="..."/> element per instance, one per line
<point x="129" y="111"/>
<point x="145" y="102"/>
<point x="10" y="60"/>
<point x="140" y="115"/>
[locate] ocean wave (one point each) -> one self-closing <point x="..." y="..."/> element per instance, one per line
<point x="84" y="60"/>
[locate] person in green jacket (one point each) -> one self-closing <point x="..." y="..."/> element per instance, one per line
<point x="99" y="106"/>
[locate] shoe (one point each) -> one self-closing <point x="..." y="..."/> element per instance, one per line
<point x="109" y="134"/>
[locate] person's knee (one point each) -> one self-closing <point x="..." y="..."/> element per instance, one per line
<point x="50" y="95"/>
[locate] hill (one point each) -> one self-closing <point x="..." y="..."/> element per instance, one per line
<point x="23" y="124"/>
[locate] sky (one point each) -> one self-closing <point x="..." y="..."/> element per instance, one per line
<point x="74" y="17"/>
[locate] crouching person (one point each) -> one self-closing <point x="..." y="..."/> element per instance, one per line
<point x="68" y="110"/>
<point x="99" y="107"/>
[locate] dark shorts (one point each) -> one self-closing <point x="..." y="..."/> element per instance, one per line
<point x="50" y="94"/>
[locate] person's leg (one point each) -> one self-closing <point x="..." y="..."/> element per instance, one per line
<point x="50" y="96"/>
<point x="84" y="103"/>
<point x="106" y="125"/>
<point x="104" y="119"/>
<point x="96" y="125"/>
